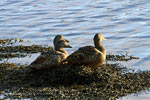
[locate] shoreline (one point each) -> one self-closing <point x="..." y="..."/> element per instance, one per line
<point x="110" y="81"/>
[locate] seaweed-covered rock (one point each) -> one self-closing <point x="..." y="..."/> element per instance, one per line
<point x="110" y="81"/>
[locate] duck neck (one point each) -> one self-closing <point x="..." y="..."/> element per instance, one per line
<point x="100" y="47"/>
<point x="61" y="50"/>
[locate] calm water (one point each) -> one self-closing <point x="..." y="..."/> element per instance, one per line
<point x="125" y="24"/>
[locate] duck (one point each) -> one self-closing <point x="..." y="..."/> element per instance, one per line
<point x="91" y="56"/>
<point x="57" y="38"/>
<point x="53" y="57"/>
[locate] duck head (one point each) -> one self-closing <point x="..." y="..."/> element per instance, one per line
<point x="98" y="37"/>
<point x="59" y="37"/>
<point x="62" y="44"/>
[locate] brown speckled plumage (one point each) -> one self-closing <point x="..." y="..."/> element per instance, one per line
<point x="53" y="57"/>
<point x="89" y="55"/>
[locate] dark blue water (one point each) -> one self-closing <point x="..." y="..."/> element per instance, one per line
<point x="125" y="24"/>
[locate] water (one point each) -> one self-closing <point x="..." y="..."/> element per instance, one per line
<point x="143" y="95"/>
<point x="125" y="24"/>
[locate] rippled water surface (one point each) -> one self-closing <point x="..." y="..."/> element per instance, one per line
<point x="125" y="24"/>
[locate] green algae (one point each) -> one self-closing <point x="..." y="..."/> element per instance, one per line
<point x="6" y="41"/>
<point x="8" y="49"/>
<point x="24" y="49"/>
<point x="121" y="57"/>
<point x="21" y="51"/>
<point x="10" y="41"/>
<point x="12" y="55"/>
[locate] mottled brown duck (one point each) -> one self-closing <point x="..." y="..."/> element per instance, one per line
<point x="89" y="55"/>
<point x="53" y="57"/>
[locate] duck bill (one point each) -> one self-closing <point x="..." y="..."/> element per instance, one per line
<point x="68" y="46"/>
<point x="104" y="38"/>
<point x="66" y="40"/>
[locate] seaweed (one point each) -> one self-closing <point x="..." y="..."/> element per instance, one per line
<point x="108" y="82"/>
<point x="71" y="82"/>
<point x="121" y="57"/>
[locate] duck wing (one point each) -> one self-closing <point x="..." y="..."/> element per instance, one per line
<point x="43" y="57"/>
<point x="47" y="59"/>
<point x="39" y="60"/>
<point x="85" y="56"/>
